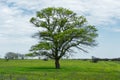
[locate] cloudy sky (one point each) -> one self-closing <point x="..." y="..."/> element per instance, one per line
<point x="16" y="31"/>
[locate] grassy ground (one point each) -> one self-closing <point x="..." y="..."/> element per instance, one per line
<point x="70" y="70"/>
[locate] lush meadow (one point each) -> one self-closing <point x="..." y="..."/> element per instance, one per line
<point x="70" y="70"/>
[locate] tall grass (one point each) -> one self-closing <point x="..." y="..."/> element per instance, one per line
<point x="70" y="70"/>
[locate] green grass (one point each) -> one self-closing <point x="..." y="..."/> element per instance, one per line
<point x="70" y="70"/>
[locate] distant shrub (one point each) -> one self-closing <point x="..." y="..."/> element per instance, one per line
<point x="106" y="59"/>
<point x="94" y="59"/>
<point x="115" y="59"/>
<point x="45" y="59"/>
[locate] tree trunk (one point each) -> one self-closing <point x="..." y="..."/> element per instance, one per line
<point x="57" y="64"/>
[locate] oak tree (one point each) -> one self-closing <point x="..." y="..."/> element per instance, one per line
<point x="61" y="30"/>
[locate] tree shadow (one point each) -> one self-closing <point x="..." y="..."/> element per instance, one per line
<point x="39" y="69"/>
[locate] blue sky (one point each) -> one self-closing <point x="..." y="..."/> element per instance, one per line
<point x="16" y="31"/>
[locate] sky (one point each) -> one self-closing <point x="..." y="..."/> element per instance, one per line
<point x="16" y="30"/>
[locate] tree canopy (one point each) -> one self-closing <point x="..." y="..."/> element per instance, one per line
<point x="60" y="30"/>
<point x="13" y="55"/>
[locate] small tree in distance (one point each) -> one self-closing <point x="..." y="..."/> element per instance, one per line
<point x="11" y="55"/>
<point x="60" y="30"/>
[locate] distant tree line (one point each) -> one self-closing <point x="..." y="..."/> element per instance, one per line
<point x="95" y="59"/>
<point x="13" y="55"/>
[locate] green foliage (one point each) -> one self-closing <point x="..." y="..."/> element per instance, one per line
<point x="42" y="46"/>
<point x="30" y="54"/>
<point x="60" y="30"/>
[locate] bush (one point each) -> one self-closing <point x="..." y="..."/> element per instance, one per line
<point x="45" y="59"/>
<point x="94" y="59"/>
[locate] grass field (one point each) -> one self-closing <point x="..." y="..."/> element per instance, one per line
<point x="70" y="70"/>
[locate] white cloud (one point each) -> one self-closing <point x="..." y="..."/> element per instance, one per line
<point x="117" y="30"/>
<point x="15" y="15"/>
<point x="97" y="11"/>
